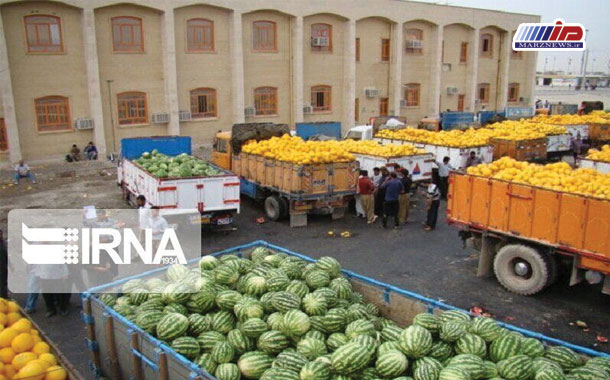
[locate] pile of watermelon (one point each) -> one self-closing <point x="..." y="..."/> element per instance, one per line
<point x="278" y="317"/>
<point x="181" y="166"/>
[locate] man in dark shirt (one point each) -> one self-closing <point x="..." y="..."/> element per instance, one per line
<point x="380" y="194"/>
<point x="392" y="188"/>
<point x="473" y="160"/>
<point x="403" y="197"/>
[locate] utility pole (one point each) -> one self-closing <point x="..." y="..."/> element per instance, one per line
<point x="583" y="64"/>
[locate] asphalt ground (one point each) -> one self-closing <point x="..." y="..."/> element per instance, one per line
<point x="433" y="264"/>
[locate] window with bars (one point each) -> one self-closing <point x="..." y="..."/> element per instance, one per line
<point x="483" y="93"/>
<point x="383" y="106"/>
<point x="203" y="102"/>
<point x="412" y="94"/>
<point x="321" y="98"/>
<point x="414" y="39"/>
<point x="487" y="45"/>
<point x="43" y="34"/>
<point x="513" y="92"/>
<point x="385" y="49"/>
<point x="264" y="37"/>
<point x="127" y="34"/>
<point x="358" y="49"/>
<point x="3" y="137"/>
<point x="53" y="114"/>
<point x="322" y="37"/>
<point x="265" y="100"/>
<point x="464" y="52"/>
<point x="132" y="108"/>
<point x="200" y="35"/>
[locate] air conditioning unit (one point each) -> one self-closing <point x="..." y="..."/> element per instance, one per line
<point x="160" y="118"/>
<point x="452" y="90"/>
<point x="83" y="123"/>
<point x="307" y="109"/>
<point x="249" y="111"/>
<point x="415" y="44"/>
<point x="371" y="92"/>
<point x="185" y="116"/>
<point x="319" y="41"/>
<point x="403" y="102"/>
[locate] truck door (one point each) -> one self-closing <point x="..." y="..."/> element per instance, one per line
<point x="221" y="156"/>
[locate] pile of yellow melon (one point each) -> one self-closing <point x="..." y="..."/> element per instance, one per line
<point x="558" y="176"/>
<point x="293" y="149"/>
<point x="375" y="149"/>
<point x="600" y="155"/>
<point x="455" y="138"/>
<point x="595" y="117"/>
<point x="23" y="353"/>
<point x="525" y="129"/>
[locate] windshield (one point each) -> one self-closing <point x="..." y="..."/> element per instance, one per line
<point x="221" y="145"/>
<point x="354" y="135"/>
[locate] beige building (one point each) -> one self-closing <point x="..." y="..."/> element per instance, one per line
<point x="76" y="71"/>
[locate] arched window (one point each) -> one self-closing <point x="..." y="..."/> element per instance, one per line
<point x="412" y="94"/>
<point x="483" y="93"/>
<point x="127" y="34"/>
<point x="321" y="37"/>
<point x="321" y="98"/>
<point x="203" y="102"/>
<point x="487" y="45"/>
<point x="200" y="35"/>
<point x="53" y="114"/>
<point x="264" y="37"/>
<point x="513" y="92"/>
<point x="43" y="34"/>
<point x="132" y="108"/>
<point x="265" y="100"/>
<point x="414" y="41"/>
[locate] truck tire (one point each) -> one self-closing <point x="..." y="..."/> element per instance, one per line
<point x="273" y="207"/>
<point x="554" y="268"/>
<point x="522" y="269"/>
<point x="285" y="207"/>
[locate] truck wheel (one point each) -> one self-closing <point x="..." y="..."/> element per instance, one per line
<point x="554" y="268"/>
<point x="522" y="269"/>
<point x="285" y="207"/>
<point x="273" y="207"/>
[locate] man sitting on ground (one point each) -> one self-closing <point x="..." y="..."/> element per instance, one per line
<point x="22" y="170"/>
<point x="90" y="151"/>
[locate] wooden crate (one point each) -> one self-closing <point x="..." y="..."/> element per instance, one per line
<point x="522" y="150"/>
<point x="599" y="131"/>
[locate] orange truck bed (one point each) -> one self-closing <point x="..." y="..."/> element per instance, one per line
<point x="573" y="224"/>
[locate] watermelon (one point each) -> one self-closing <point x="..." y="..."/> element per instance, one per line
<point x="454" y="315"/>
<point x="227" y="371"/>
<point x="176" y="272"/>
<point x="550" y="373"/>
<point x="151" y="304"/>
<point x="541" y="363"/>
<point x="277" y="283"/>
<point x="272" y="342"/>
<point x="207" y="340"/>
<point x="426" y="371"/>
<point x="329" y="294"/>
<point x="202" y="301"/>
<point x="357" y="311"/>
<point x="148" y="320"/>
<point x="391" y="364"/>
<point x="275" y="321"/>
<point x="387" y="346"/>
<point x="336" y="340"/>
<point x="314" y="304"/>
<point x="258" y="254"/>
<point x="471" y="364"/>
<point x="453" y="373"/>
<point x="369" y="374"/>
<point x="291" y="268"/>
<point x="329" y="265"/>
<point x="254" y="363"/>
<point x="428" y="361"/>
<point x="372" y="309"/>
<point x="490" y="370"/>
<point x="471" y="344"/>
<point x="315" y="370"/>
<point x="359" y="327"/>
<point x="279" y="374"/>
<point x="335" y="320"/>
<point x="532" y="347"/>
<point x="274" y="259"/>
<point x="249" y="309"/>
<point x="253" y="327"/>
<point x="504" y="347"/>
<point x="563" y="356"/>
<point x="226" y="274"/>
<point x="222" y="352"/>
<point x="441" y="350"/>
<point x="342" y="287"/>
<point x="206" y="362"/>
<point x="311" y="348"/>
<point x="350" y="358"/>
<point x="599" y="362"/>
<point x="208" y="263"/>
<point x="132" y="285"/>
<point x="316" y="279"/>
<point x="138" y="296"/>
<point x="240" y="342"/>
<point x="295" y="323"/>
<point x="292" y="361"/>
<point x="222" y="321"/>
<point x="256" y="285"/>
<point x="589" y="373"/>
<point x="486" y="328"/>
<point x="172" y="326"/>
<point x="175" y="308"/>
<point x="315" y="334"/>
<point x="199" y="323"/>
<point x="452" y="330"/>
<point x="186" y="346"/>
<point x="285" y="301"/>
<point x="227" y="299"/>
<point x="391" y="333"/>
<point x="415" y="341"/>
<point x="518" y="367"/>
<point x="176" y="293"/>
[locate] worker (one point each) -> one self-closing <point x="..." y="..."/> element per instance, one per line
<point x="403" y="197"/>
<point x="444" y="168"/>
<point x="366" y="190"/>
<point x="433" y="200"/>
<point x="473" y="159"/>
<point x="90" y="151"/>
<point x="74" y="154"/>
<point x="22" y="170"/>
<point x="392" y="188"/>
<point x="359" y="209"/>
<point x="576" y="146"/>
<point x="376" y="177"/>
<point x="379" y="191"/>
<point x="143" y="215"/>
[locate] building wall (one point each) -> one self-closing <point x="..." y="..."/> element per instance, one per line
<point x="454" y="72"/>
<point x="74" y="72"/>
<point x="204" y="69"/>
<point x="371" y="71"/>
<point x="35" y="75"/>
<point x="323" y="67"/>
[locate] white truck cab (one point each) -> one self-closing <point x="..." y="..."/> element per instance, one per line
<point x="360" y="132"/>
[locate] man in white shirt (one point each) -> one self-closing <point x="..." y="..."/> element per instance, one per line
<point x="143" y="214"/>
<point x="376" y="178"/>
<point x="158" y="224"/>
<point x="22" y="170"/>
<point x="444" y="168"/>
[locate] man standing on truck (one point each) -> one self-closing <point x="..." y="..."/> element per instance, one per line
<point x="444" y="168"/>
<point x="366" y="189"/>
<point x="433" y="201"/>
<point x="392" y="188"/>
<point x="473" y="160"/>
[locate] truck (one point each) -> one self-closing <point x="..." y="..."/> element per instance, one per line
<point x="600" y="166"/>
<point x="120" y="349"/>
<point x="527" y="235"/>
<point x="419" y="165"/>
<point x="329" y="129"/>
<point x="215" y="197"/>
<point x="287" y="189"/>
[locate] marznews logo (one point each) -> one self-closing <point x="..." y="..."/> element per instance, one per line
<point x="557" y="36"/>
<point x="86" y="245"/>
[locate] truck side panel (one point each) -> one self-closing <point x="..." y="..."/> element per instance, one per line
<point x="546" y="215"/>
<point x="520" y="209"/>
<point x="572" y="219"/>
<point x="499" y="205"/>
<point x="597" y="232"/>
<point x="480" y="201"/>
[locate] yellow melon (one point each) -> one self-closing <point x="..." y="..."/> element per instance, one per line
<point x="6" y="336"/>
<point x="41" y="348"/>
<point x="22" y="325"/>
<point x="43" y="363"/>
<point x="9" y="371"/>
<point x="56" y="373"/>
<point x="3" y="305"/>
<point x="22" y="359"/>
<point x="6" y="355"/>
<point x="49" y="358"/>
<point x="3" y="319"/>
<point x="13" y="317"/>
<point x="32" y="371"/>
<point x="22" y="343"/>
<point x="13" y="307"/>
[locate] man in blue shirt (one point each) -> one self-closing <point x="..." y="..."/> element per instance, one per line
<point x="393" y="187"/>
